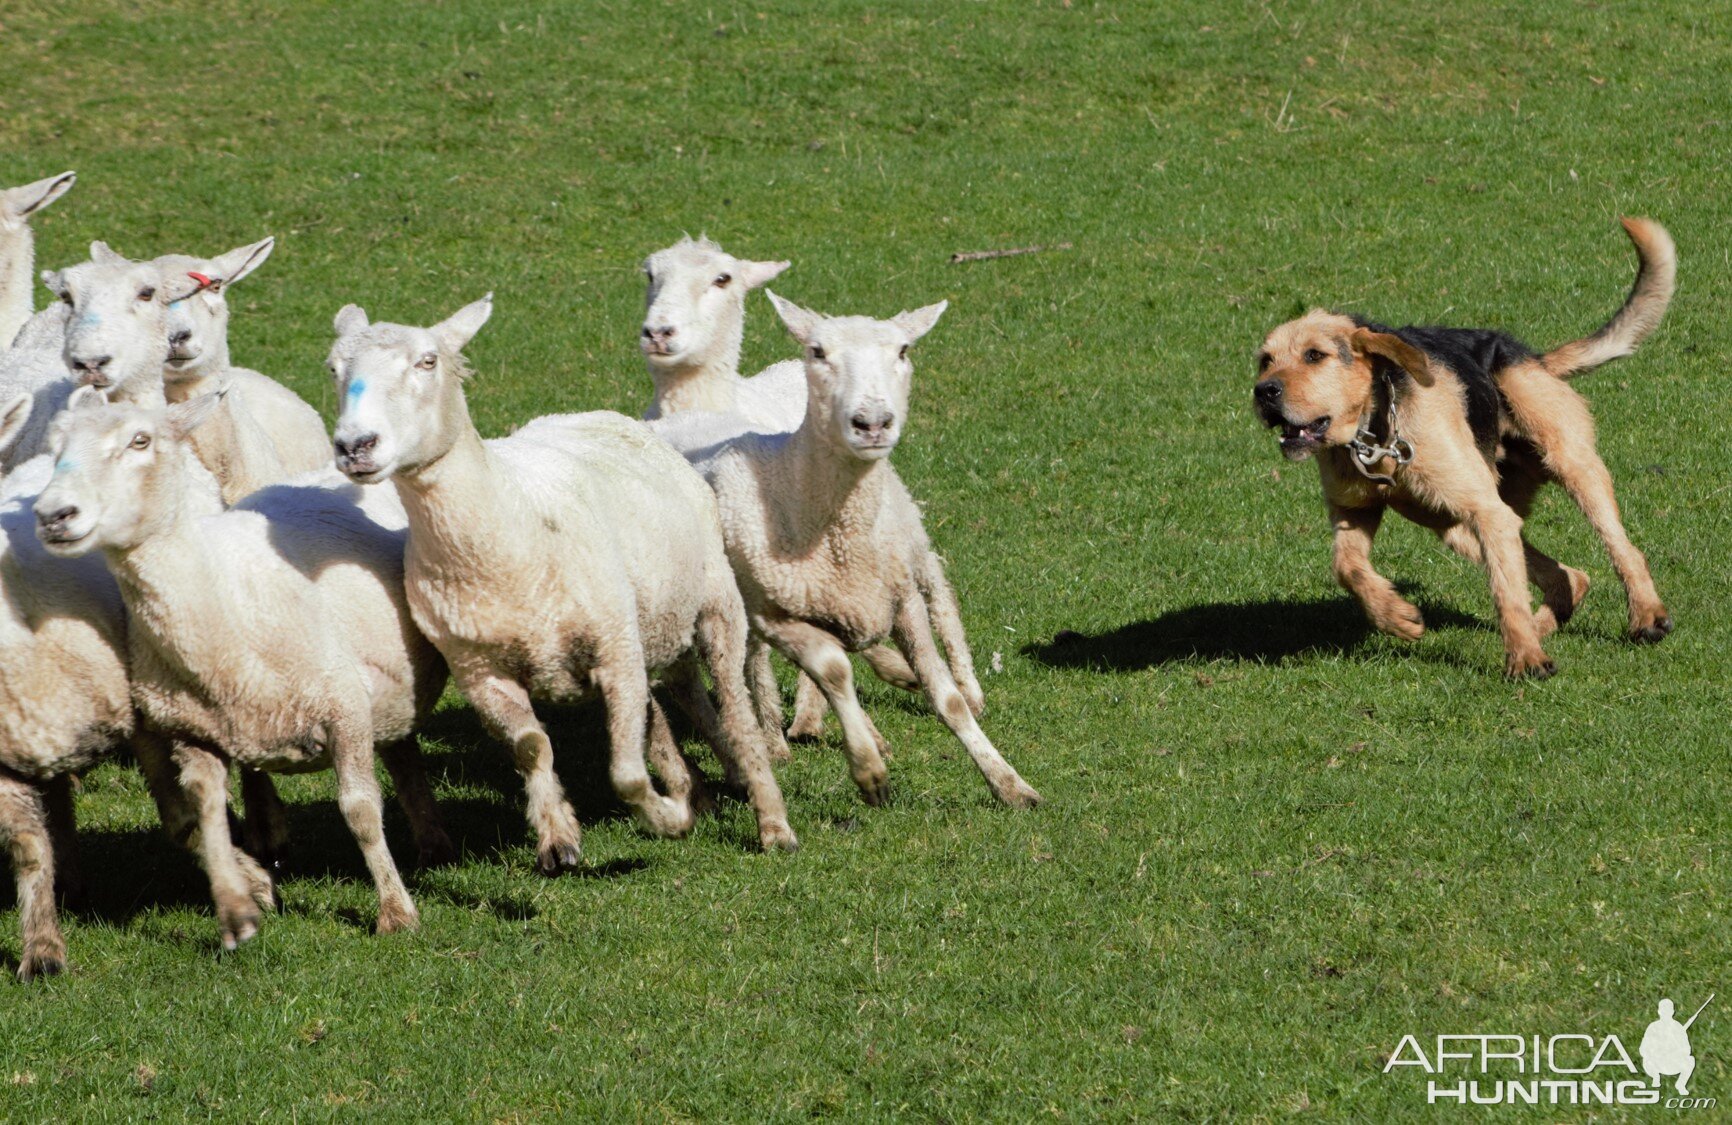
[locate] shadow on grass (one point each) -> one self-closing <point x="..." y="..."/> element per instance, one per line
<point x="1260" y="632"/>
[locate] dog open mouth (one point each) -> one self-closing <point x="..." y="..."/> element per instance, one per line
<point x="1299" y="442"/>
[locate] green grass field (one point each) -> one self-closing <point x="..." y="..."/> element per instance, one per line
<point x="1273" y="842"/>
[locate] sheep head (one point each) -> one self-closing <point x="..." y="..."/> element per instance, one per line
<point x="858" y="373"/>
<point x="695" y="310"/>
<point x="401" y="390"/>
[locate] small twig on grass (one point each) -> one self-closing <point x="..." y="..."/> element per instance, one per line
<point x="983" y="255"/>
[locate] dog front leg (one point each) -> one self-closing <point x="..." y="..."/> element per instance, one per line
<point x="1388" y="610"/>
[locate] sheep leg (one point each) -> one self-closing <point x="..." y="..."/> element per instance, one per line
<point x="204" y="776"/>
<point x="25" y="832"/>
<point x="685" y="679"/>
<point x="722" y="637"/>
<point x="947" y="621"/>
<point x="822" y="657"/>
<point x="766" y="696"/>
<point x="680" y="776"/>
<point x="180" y="819"/>
<point x="409" y="777"/>
<point x="913" y="633"/>
<point x="63" y="832"/>
<point x="364" y="810"/>
<point x="625" y="691"/>
<point x="810" y="707"/>
<point x="265" y="827"/>
<point x="505" y="709"/>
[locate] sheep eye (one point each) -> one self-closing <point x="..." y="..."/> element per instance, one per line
<point x="428" y="362"/>
<point x="903" y="353"/>
<point x="722" y="281"/>
<point x="146" y="293"/>
<point x="1312" y="355"/>
<point x="817" y="352"/>
<point x="66" y="298"/>
<point x="140" y="440"/>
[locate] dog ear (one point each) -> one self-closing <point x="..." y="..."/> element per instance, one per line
<point x="1398" y="351"/>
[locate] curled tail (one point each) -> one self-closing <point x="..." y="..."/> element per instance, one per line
<point x="1642" y="309"/>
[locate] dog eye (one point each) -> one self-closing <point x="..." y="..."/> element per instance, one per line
<point x="1312" y="355"/>
<point x="1264" y="360"/>
<point x="428" y="362"/>
<point x="722" y="281"/>
<point x="140" y="440"/>
<point x="146" y="293"/>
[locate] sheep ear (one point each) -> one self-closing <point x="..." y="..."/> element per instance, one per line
<point x="52" y="279"/>
<point x="102" y="252"/>
<point x="185" y="417"/>
<point x="461" y="326"/>
<point x="86" y="397"/>
<point x="801" y="323"/>
<point x="754" y="274"/>
<point x="12" y="419"/>
<point x="22" y="202"/>
<point x="919" y="322"/>
<point x="1404" y="355"/>
<point x="350" y="318"/>
<point x="226" y="269"/>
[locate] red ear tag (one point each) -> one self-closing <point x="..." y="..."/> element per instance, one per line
<point x="203" y="281"/>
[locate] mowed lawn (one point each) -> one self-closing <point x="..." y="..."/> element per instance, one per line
<point x="1273" y="842"/>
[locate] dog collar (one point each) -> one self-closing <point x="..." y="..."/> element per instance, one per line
<point x="1367" y="448"/>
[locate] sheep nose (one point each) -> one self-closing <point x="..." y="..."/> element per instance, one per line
<point x="176" y="339"/>
<point x="93" y="371"/>
<point x="872" y="426"/>
<point x="58" y="518"/>
<point x="356" y="447"/>
<point x="1269" y="391"/>
<point x="659" y="334"/>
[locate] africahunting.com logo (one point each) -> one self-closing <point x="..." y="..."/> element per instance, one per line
<point x="1571" y="1069"/>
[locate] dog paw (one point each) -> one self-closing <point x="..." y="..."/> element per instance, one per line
<point x="1652" y="630"/>
<point x="1536" y="666"/>
<point x="1400" y="620"/>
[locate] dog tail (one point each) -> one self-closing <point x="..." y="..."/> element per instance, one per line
<point x="1643" y="308"/>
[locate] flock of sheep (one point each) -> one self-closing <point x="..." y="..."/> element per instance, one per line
<point x="184" y="572"/>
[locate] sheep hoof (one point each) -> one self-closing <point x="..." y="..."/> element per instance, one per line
<point x="1019" y="795"/>
<point x="41" y="965"/>
<point x="875" y="791"/>
<point x="396" y="919"/>
<point x="554" y="858"/>
<point x="437" y="852"/>
<point x="778" y="838"/>
<point x="806" y="728"/>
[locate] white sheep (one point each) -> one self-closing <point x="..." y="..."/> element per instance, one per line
<point x="694" y="320"/>
<point x="65" y="699"/>
<point x="157" y="331"/>
<point x="274" y="634"/>
<point x="829" y="547"/>
<point x="18" y="249"/>
<point x="569" y="559"/>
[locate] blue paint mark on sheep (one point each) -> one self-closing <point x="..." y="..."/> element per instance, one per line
<point x="356" y="388"/>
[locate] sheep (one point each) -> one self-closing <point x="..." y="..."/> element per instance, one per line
<point x="18" y="249"/>
<point x="571" y="558"/>
<point x="155" y="332"/>
<point x="829" y="547"/>
<point x="65" y="700"/>
<point x="273" y="634"/>
<point x="694" y="318"/>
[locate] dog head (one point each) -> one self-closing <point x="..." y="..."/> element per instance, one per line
<point x="1314" y="378"/>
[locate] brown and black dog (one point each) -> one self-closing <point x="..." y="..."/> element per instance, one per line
<point x="1457" y="429"/>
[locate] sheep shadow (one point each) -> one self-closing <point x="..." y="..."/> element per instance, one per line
<point x="1256" y="632"/>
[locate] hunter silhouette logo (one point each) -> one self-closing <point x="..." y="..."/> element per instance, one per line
<point x="1665" y="1047"/>
<point x="1568" y="1069"/>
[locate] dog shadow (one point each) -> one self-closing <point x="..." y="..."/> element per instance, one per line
<point x="1256" y="632"/>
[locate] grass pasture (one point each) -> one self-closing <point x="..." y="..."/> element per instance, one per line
<point x="1273" y="842"/>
